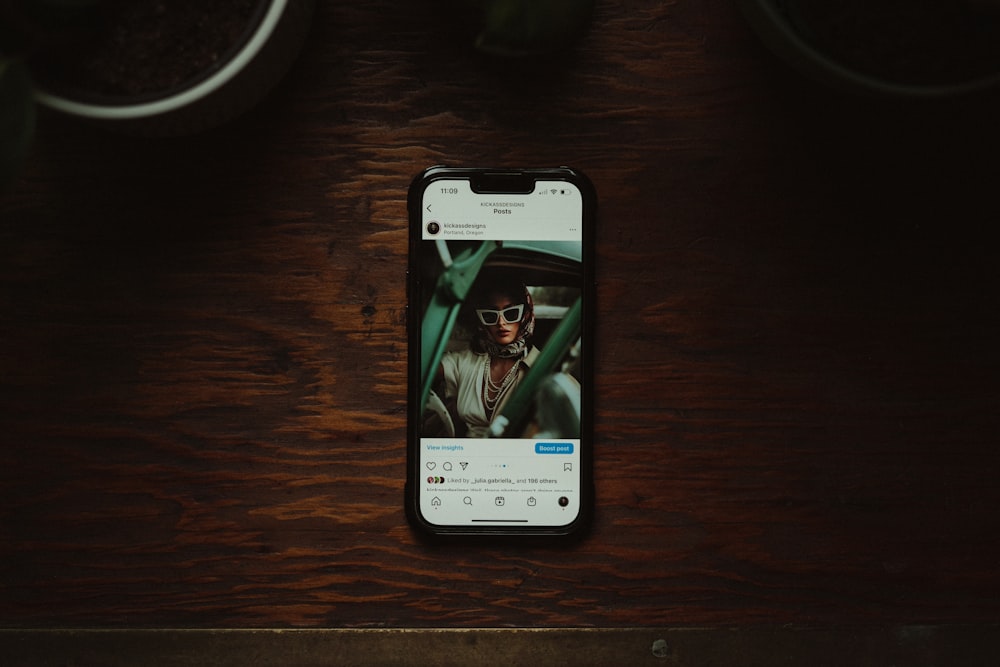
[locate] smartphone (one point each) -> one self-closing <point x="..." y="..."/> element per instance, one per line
<point x="500" y="330"/>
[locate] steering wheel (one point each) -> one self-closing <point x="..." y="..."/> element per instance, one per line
<point x="435" y="408"/>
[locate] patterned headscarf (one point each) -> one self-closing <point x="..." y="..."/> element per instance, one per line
<point x="519" y="347"/>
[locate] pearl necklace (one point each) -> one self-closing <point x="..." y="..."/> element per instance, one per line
<point x="497" y="390"/>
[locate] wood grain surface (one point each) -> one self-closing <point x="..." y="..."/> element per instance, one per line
<point x="202" y="347"/>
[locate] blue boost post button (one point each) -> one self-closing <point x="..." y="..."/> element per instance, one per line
<point x="553" y="447"/>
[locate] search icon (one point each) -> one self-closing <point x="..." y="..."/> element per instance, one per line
<point x="467" y="500"/>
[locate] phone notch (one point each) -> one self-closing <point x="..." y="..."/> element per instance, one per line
<point x="503" y="182"/>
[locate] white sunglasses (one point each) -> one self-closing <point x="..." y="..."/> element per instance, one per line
<point x="511" y="315"/>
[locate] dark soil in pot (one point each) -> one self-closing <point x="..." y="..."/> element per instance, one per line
<point x="922" y="42"/>
<point x="147" y="49"/>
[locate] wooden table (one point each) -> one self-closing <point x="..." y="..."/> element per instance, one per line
<point x="202" y="348"/>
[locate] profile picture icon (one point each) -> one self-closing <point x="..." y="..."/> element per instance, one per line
<point x="433" y="228"/>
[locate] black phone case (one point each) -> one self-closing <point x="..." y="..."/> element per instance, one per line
<point x="501" y="181"/>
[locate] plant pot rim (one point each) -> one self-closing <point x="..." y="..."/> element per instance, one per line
<point x="178" y="99"/>
<point x="780" y="36"/>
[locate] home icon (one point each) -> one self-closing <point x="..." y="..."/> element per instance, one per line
<point x="435" y="502"/>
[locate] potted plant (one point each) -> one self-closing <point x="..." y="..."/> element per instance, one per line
<point x="159" y="67"/>
<point x="896" y="48"/>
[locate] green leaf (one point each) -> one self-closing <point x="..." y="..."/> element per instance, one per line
<point x="17" y="118"/>
<point x="525" y="27"/>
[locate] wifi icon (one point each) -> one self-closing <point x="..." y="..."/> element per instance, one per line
<point x="553" y="191"/>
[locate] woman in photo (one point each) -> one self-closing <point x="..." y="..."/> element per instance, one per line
<point x="478" y="380"/>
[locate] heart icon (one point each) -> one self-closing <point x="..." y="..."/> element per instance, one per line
<point x="431" y="465"/>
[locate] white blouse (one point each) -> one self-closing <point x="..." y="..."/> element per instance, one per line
<point x="463" y="374"/>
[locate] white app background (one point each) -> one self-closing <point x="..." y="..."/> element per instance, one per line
<point x="499" y="481"/>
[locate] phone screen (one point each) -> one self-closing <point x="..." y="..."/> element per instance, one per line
<point x="499" y="286"/>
